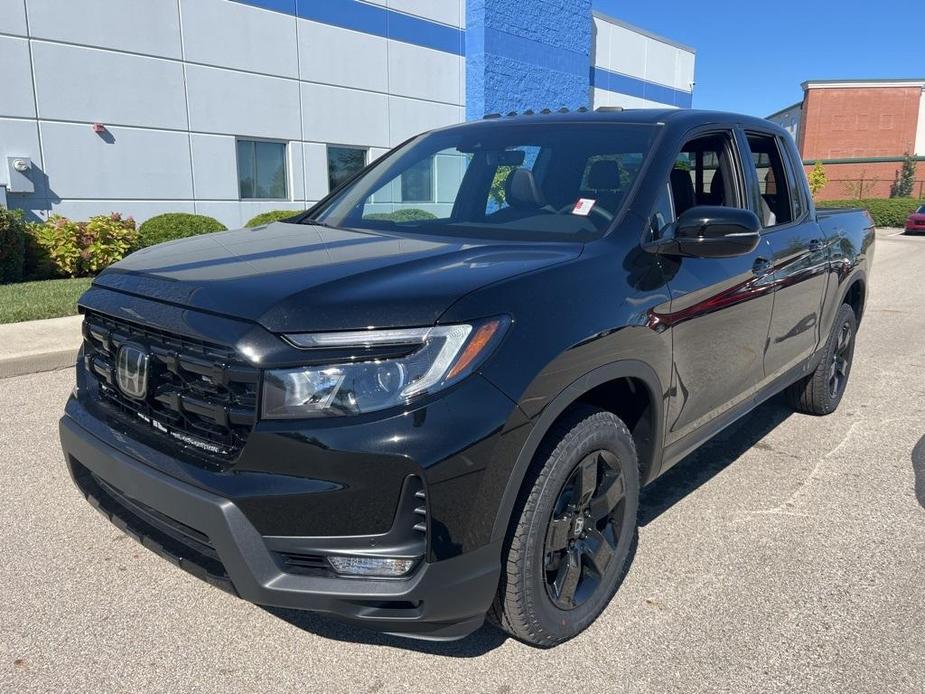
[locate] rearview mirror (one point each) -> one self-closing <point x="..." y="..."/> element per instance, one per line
<point x="715" y="232"/>
<point x="507" y="157"/>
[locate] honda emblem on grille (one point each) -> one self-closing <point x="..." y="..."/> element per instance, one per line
<point x="132" y="370"/>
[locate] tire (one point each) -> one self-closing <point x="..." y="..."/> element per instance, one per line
<point x="822" y="391"/>
<point x="541" y="600"/>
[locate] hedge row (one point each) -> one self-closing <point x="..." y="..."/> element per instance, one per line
<point x="891" y="212"/>
<point x="272" y="216"/>
<point x="406" y="214"/>
<point x="176" y="225"/>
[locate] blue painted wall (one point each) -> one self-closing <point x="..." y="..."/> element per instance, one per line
<point x="371" y="19"/>
<point x="527" y="54"/>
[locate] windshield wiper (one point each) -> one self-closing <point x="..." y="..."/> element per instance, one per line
<point x="316" y="223"/>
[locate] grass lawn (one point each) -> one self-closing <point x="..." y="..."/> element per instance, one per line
<point x="46" y="299"/>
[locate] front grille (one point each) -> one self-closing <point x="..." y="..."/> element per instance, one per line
<point x="200" y="396"/>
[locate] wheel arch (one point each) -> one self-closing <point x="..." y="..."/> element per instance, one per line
<point x="597" y="387"/>
<point x="855" y="295"/>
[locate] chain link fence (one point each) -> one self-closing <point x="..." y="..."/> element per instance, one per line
<point x="868" y="187"/>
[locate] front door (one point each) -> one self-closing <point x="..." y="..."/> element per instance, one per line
<point x="720" y="307"/>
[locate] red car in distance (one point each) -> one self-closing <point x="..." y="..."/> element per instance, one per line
<point x="916" y="221"/>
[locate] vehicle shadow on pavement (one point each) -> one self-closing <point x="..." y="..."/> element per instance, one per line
<point x="482" y="641"/>
<point x="710" y="459"/>
<point x="918" y="469"/>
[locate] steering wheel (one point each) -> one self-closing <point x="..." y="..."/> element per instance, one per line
<point x="599" y="211"/>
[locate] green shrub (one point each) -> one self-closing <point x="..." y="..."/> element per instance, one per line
<point x="407" y="214"/>
<point x="79" y="249"/>
<point x="891" y="212"/>
<point x="12" y="245"/>
<point x="38" y="264"/>
<point x="176" y="225"/>
<point x="271" y="216"/>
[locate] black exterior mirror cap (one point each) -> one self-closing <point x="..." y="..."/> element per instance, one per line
<point x="714" y="232"/>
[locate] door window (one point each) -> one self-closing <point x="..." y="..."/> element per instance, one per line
<point x="704" y="174"/>
<point x="773" y="187"/>
<point x="663" y="215"/>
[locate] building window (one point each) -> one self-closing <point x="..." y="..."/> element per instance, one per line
<point x="343" y="163"/>
<point x="262" y="169"/>
<point x="417" y="182"/>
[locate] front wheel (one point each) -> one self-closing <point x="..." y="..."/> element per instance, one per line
<point x="822" y="391"/>
<point x="574" y="539"/>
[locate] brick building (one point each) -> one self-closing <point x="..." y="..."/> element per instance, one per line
<point x="860" y="130"/>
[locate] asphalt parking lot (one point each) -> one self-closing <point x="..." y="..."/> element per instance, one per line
<point x="787" y="555"/>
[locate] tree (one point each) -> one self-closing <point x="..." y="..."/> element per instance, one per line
<point x="905" y="178"/>
<point x="817" y="178"/>
<point x="496" y="192"/>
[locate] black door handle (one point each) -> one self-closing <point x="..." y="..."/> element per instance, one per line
<point x="762" y="266"/>
<point x="816" y="245"/>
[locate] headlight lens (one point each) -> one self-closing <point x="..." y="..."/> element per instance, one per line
<point x="438" y="357"/>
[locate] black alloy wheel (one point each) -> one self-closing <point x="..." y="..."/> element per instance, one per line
<point x="821" y="391"/>
<point x="574" y="531"/>
<point x="841" y="360"/>
<point x="584" y="529"/>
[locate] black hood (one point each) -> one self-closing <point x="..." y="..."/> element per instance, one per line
<point x="299" y="278"/>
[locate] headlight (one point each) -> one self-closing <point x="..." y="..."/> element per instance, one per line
<point x="436" y="357"/>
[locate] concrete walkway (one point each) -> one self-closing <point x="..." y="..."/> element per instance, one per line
<point x="38" y="345"/>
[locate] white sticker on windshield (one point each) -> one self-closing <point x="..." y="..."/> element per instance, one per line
<point x="584" y="206"/>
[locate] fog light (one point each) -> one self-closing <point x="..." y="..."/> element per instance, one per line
<point x="372" y="566"/>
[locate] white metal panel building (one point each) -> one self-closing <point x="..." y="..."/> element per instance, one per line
<point x="233" y="107"/>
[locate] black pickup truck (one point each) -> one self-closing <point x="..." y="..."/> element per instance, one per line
<point x="411" y="415"/>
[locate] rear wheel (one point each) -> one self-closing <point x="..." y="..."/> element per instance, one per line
<point x="822" y="391"/>
<point x="571" y="545"/>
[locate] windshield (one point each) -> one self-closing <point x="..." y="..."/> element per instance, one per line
<point x="531" y="181"/>
<point x="921" y="210"/>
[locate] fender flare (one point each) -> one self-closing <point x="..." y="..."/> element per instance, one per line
<point x="629" y="368"/>
<point x="859" y="274"/>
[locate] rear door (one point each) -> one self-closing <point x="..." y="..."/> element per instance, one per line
<point x="720" y="307"/>
<point x="799" y="253"/>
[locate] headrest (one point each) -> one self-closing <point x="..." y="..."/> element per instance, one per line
<point x="520" y="189"/>
<point x="718" y="185"/>
<point x="604" y="175"/>
<point x="682" y="190"/>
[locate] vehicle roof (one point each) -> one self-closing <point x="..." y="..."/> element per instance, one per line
<point x="682" y="118"/>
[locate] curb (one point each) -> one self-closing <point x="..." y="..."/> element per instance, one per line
<point x="36" y="363"/>
<point x="40" y="345"/>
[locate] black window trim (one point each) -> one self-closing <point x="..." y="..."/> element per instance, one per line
<point x="791" y="167"/>
<point x="287" y="197"/>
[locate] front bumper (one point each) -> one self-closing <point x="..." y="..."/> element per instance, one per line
<point x="211" y="537"/>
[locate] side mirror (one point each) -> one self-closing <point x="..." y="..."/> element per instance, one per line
<point x="715" y="232"/>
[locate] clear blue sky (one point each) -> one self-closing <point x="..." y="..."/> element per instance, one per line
<point x="752" y="56"/>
